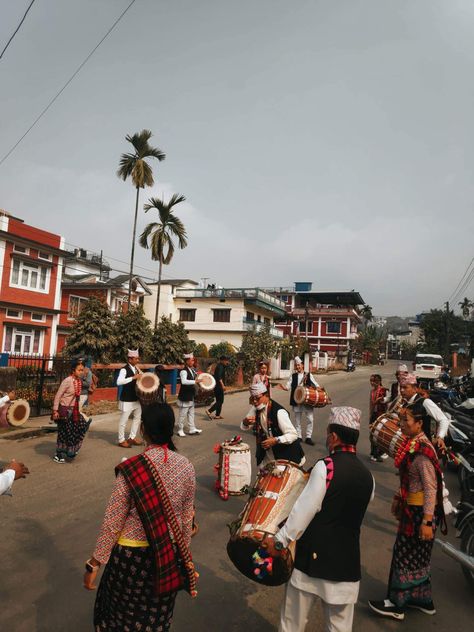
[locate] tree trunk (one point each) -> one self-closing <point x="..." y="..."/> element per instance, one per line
<point x="132" y="256"/>
<point x="158" y="291"/>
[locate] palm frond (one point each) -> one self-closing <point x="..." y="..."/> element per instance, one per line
<point x="143" y="239"/>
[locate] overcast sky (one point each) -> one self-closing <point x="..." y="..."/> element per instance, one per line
<point x="330" y="141"/>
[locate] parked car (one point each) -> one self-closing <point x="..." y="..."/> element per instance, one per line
<point x="428" y="366"/>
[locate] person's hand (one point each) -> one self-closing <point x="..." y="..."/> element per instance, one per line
<point x="426" y="533"/>
<point x="248" y="421"/>
<point x="89" y="579"/>
<point x="268" y="544"/>
<point x="55" y="414"/>
<point x="11" y="395"/>
<point x="395" y="509"/>
<point x="20" y="469"/>
<point x="137" y="376"/>
<point x="268" y="443"/>
<point x="439" y="444"/>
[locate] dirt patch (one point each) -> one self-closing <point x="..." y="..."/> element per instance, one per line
<point x="100" y="408"/>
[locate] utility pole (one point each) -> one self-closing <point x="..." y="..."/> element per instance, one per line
<point x="446" y="331"/>
<point x="306" y="321"/>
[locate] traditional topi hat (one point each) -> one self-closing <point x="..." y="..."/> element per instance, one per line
<point x="132" y="353"/>
<point x="402" y="368"/>
<point x="298" y="360"/>
<point x="188" y="356"/>
<point x="409" y="379"/>
<point x="257" y="389"/>
<point x="345" y="416"/>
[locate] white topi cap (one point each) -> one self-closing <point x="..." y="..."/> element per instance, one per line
<point x="298" y="360"/>
<point x="402" y="368"/>
<point x="257" y="389"/>
<point x="132" y="353"/>
<point x="188" y="356"/>
<point x="345" y="416"/>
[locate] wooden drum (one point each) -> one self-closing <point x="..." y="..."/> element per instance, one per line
<point x="18" y="412"/>
<point x="147" y="388"/>
<point x="386" y="434"/>
<point x="234" y="470"/>
<point x="206" y="382"/>
<point x="311" y="396"/>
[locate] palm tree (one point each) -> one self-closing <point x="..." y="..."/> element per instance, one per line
<point x="161" y="236"/>
<point x="366" y="313"/>
<point x="135" y="166"/>
<point x="466" y="305"/>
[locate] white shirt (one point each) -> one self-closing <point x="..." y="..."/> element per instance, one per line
<point x="183" y="376"/>
<point x="435" y="412"/>
<point x="306" y="507"/>
<point x="6" y="481"/>
<point x="4" y="400"/>
<point x="299" y="408"/>
<point x="122" y="376"/>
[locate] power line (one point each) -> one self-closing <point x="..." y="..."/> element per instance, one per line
<point x="465" y="286"/>
<point x="17" y="29"/>
<point x="462" y="279"/>
<point x="71" y="78"/>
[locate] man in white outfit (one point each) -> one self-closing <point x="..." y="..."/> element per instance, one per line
<point x="129" y="403"/>
<point x="298" y="378"/>
<point x="188" y="378"/>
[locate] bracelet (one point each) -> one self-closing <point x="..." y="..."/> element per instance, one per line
<point x="427" y="523"/>
<point x="90" y="568"/>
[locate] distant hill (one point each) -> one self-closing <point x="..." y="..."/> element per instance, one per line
<point x="398" y="323"/>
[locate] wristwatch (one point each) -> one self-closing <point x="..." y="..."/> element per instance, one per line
<point x="90" y="568"/>
<point x="278" y="545"/>
<point x="427" y="523"/>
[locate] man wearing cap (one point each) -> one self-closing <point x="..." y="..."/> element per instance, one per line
<point x="129" y="404"/>
<point x="189" y="378"/>
<point x="325" y="522"/>
<point x="298" y="378"/>
<point x="394" y="397"/>
<point x="427" y="408"/>
<point x="276" y="436"/>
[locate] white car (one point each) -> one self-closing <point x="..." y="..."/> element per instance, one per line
<point x="428" y="366"/>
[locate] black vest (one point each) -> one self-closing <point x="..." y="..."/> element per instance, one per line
<point x="294" y="384"/>
<point x="188" y="392"/>
<point x="128" y="392"/>
<point x="330" y="548"/>
<point x="426" y="418"/>
<point x="288" y="451"/>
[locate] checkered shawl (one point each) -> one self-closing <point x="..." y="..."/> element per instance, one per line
<point x="149" y="504"/>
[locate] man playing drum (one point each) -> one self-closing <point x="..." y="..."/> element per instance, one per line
<point x="129" y="403"/>
<point x="187" y="392"/>
<point x="276" y="436"/>
<point x="298" y="378"/>
<point x="325" y="522"/>
<point x="394" y="396"/>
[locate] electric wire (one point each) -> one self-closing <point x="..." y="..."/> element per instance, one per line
<point x="462" y="279"/>
<point x="71" y="78"/>
<point x="465" y="286"/>
<point x="17" y="29"/>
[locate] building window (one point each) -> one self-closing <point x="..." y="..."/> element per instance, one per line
<point x="187" y="315"/>
<point x="14" y="313"/>
<point x="38" y="317"/>
<point x="22" y="340"/>
<point x="259" y="318"/>
<point x="250" y="316"/>
<point x="76" y="305"/>
<point x="284" y="298"/>
<point x="333" y="327"/>
<point x="44" y="255"/>
<point x="22" y="249"/>
<point x="303" y="326"/>
<point x="266" y="321"/>
<point x="221" y="315"/>
<point x="29" y="276"/>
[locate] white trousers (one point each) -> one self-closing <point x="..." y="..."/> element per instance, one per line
<point x="297" y="604"/>
<point x="308" y="412"/>
<point x="136" y="413"/>
<point x="186" y="413"/>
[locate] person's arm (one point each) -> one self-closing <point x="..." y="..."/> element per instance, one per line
<point x="6" y="481"/>
<point x="427" y="474"/>
<point x="183" y="376"/>
<point x="306" y="507"/>
<point x="59" y="393"/>
<point x="4" y="400"/>
<point x="250" y="417"/>
<point x="289" y="434"/>
<point x="313" y="381"/>
<point x="188" y="504"/>
<point x="115" y="516"/>
<point x="87" y="380"/>
<point x="123" y="379"/>
<point x="442" y="422"/>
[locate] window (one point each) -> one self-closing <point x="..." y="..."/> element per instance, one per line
<point x="29" y="276"/>
<point x="22" y="340"/>
<point x="221" y="315"/>
<point x="76" y="304"/>
<point x="250" y="316"/>
<point x="40" y="318"/>
<point x="303" y="326"/>
<point x="333" y="327"/>
<point x="187" y="315"/>
<point x="266" y="321"/>
<point x="259" y="318"/>
<point x="283" y="298"/>
<point x="44" y="255"/>
<point x="22" y="249"/>
<point x="14" y="313"/>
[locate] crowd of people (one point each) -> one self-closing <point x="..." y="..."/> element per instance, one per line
<point x="144" y="541"/>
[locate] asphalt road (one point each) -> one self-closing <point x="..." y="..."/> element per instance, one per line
<point x="49" y="526"/>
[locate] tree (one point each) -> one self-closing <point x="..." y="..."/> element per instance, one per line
<point x="93" y="332"/>
<point x="371" y="339"/>
<point x="466" y="305"/>
<point x="225" y="348"/>
<point x="134" y="165"/>
<point x="257" y="345"/>
<point x="366" y="313"/>
<point x="161" y="235"/>
<point x="132" y="331"/>
<point x="170" y="342"/>
<point x="440" y="327"/>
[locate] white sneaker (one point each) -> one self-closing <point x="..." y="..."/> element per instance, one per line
<point x="180" y="433"/>
<point x="196" y="431"/>
<point x="384" y="456"/>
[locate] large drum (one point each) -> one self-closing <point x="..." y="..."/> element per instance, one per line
<point x="311" y="396"/>
<point x="386" y="434"/>
<point x="234" y="470"/>
<point x="274" y="493"/>
<point x="15" y="413"/>
<point x="206" y="382"/>
<point x="147" y="388"/>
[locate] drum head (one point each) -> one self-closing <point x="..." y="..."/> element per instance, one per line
<point x="18" y="412"/>
<point x="300" y="395"/>
<point x="207" y="382"/>
<point x="148" y="382"/>
<point x="240" y="552"/>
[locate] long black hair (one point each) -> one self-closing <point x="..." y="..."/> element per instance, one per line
<point x="158" y="424"/>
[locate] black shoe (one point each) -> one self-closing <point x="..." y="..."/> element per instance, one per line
<point x="386" y="609"/>
<point x="426" y="608"/>
<point x="309" y="441"/>
<point x="300" y="440"/>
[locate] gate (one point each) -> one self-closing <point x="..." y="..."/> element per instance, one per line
<point x="38" y="378"/>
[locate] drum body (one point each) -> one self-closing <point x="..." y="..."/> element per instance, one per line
<point x="234" y="470"/>
<point x="206" y="382"/>
<point x="311" y="396"/>
<point x="147" y="388"/>
<point x="386" y="434"/>
<point x="274" y="493"/>
<point x="18" y="412"/>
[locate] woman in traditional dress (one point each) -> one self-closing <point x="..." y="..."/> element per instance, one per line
<point x="72" y="425"/>
<point x="263" y="376"/>
<point x="377" y="407"/>
<point x="418" y="506"/>
<point x="144" y="558"/>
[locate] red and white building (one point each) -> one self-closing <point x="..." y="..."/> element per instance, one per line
<point x="328" y="319"/>
<point x="31" y="263"/>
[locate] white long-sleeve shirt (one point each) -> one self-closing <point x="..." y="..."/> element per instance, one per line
<point x="6" y="481"/>
<point x="4" y="400"/>
<point x="122" y="376"/>
<point x="435" y="412"/>
<point x="300" y="379"/>
<point x="306" y="507"/>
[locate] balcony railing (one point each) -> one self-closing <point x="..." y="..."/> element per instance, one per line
<point x="245" y="294"/>
<point x="249" y="324"/>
